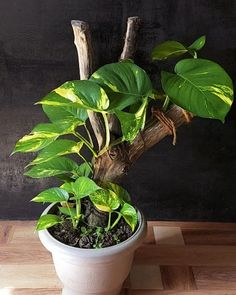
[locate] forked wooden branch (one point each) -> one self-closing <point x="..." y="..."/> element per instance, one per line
<point x="112" y="165"/>
<point x="133" y="24"/>
<point x="82" y="40"/>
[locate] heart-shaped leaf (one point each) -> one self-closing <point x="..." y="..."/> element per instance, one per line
<point x="125" y="83"/>
<point x="51" y="195"/>
<point x="130" y="215"/>
<point x="200" y="86"/>
<point x="168" y="49"/>
<point x="70" y="212"/>
<point x="130" y="123"/>
<point x="57" y="166"/>
<point x="84" y="186"/>
<point x="119" y="191"/>
<point x="105" y="200"/>
<point x="58" y="148"/>
<point x="71" y="114"/>
<point x="79" y="93"/>
<point x="47" y="221"/>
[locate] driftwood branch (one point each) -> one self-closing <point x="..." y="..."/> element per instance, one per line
<point x="82" y="40"/>
<point x="129" y="48"/>
<point x="115" y="163"/>
<point x="133" y="25"/>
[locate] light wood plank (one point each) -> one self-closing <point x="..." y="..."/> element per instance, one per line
<point x="216" y="278"/>
<point x="28" y="276"/>
<point x="168" y="235"/>
<point x="145" y="277"/>
<point x="30" y="291"/>
<point x="187" y="255"/>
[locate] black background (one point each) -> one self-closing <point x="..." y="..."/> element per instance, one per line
<point x="195" y="180"/>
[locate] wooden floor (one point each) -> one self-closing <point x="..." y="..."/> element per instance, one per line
<point x="177" y="258"/>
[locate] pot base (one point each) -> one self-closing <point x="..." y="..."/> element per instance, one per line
<point x="67" y="291"/>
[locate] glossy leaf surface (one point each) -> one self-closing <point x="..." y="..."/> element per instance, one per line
<point x="105" y="200"/>
<point x="47" y="221"/>
<point x="57" y="166"/>
<point x="51" y="195"/>
<point x="125" y="83"/>
<point x="201" y="87"/>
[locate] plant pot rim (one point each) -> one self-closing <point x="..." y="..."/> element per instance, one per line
<point x="53" y="244"/>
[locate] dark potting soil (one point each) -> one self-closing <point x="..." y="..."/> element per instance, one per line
<point x="90" y="232"/>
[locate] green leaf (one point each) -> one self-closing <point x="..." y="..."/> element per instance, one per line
<point x="47" y="221"/>
<point x="78" y="93"/>
<point x="67" y="186"/>
<point x="105" y="200"/>
<point x="51" y="195"/>
<point x="119" y="191"/>
<point x="67" y="114"/>
<point x="125" y="83"/>
<point x="57" y="166"/>
<point x="84" y="186"/>
<point x="131" y="124"/>
<point x="130" y="215"/>
<point x="198" y="44"/>
<point x="58" y="148"/>
<point x="201" y="87"/>
<point x="168" y="49"/>
<point x="70" y="212"/>
<point x="33" y="142"/>
<point x="84" y="169"/>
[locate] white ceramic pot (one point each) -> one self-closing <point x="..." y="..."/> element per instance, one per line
<point x="93" y="271"/>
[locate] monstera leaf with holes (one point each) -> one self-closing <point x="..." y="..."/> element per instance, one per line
<point x="200" y="86"/>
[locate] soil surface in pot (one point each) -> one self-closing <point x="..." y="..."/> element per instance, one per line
<point x="90" y="232"/>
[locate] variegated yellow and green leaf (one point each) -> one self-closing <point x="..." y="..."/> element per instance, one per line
<point x="57" y="148"/>
<point x="79" y="93"/>
<point x="48" y="220"/>
<point x="57" y="166"/>
<point x="124" y="82"/>
<point x="130" y="215"/>
<point x="105" y="200"/>
<point x="52" y="195"/>
<point x="200" y="86"/>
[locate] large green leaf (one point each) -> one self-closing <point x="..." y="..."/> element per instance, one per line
<point x="42" y="135"/>
<point x="78" y="93"/>
<point x="125" y="83"/>
<point x="201" y="87"/>
<point x="85" y="169"/>
<point x="118" y="190"/>
<point x="130" y="215"/>
<point x="84" y="186"/>
<point x="47" y="221"/>
<point x="130" y="123"/>
<point x="168" y="49"/>
<point x="52" y="195"/>
<point x="57" y="166"/>
<point x="58" y="148"/>
<point x="66" y="114"/>
<point x="105" y="200"/>
<point x="33" y="142"/>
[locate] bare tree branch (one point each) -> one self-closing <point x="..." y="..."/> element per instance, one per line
<point x="84" y="49"/>
<point x="129" y="48"/>
<point x="133" y="25"/>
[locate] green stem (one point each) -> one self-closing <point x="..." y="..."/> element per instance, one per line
<point x="117" y="220"/>
<point x="72" y="219"/>
<point x="89" y="135"/>
<point x="106" y="147"/>
<point x="109" y="222"/>
<point x="78" y="209"/>
<point x="166" y="103"/>
<point x="86" y="143"/>
<point x="107" y="129"/>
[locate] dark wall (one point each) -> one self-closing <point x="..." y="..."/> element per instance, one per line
<point x="195" y="180"/>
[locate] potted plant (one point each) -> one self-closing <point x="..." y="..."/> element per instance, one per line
<point x="91" y="226"/>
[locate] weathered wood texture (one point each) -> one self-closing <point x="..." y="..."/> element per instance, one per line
<point x="168" y="263"/>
